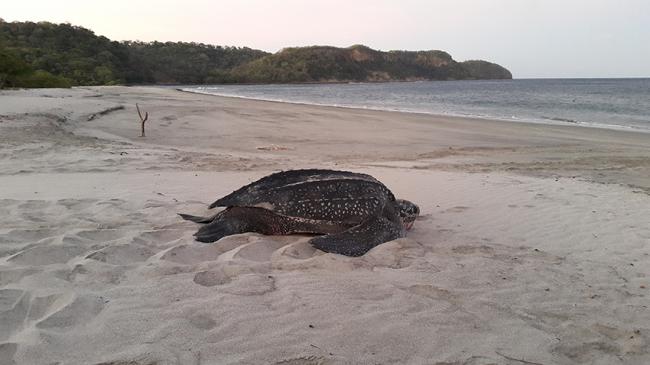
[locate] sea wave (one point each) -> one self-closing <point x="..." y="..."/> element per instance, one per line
<point x="404" y="100"/>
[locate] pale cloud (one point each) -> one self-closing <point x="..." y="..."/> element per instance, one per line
<point x="533" y="38"/>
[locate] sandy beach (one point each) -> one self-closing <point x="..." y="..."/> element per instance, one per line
<point x="533" y="244"/>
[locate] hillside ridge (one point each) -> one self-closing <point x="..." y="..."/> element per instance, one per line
<point x="61" y="55"/>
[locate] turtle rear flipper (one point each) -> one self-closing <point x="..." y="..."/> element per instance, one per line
<point x="359" y="239"/>
<point x="220" y="228"/>
<point x="235" y="220"/>
<point x="197" y="219"/>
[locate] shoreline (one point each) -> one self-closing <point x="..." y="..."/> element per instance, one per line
<point x="415" y="140"/>
<point x="541" y="121"/>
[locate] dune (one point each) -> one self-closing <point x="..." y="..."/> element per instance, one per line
<point x="532" y="246"/>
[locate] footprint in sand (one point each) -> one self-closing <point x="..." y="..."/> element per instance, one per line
<point x="300" y="250"/>
<point x="7" y="353"/>
<point x="32" y="205"/>
<point x="432" y="298"/>
<point x="102" y="235"/>
<point x="211" y="278"/>
<point x="25" y="235"/>
<point x="158" y="236"/>
<point x="251" y="284"/>
<point x="40" y="305"/>
<point x="203" y="321"/>
<point x="589" y="352"/>
<point x="15" y="275"/>
<point x="77" y="204"/>
<point x="122" y="254"/>
<point x="8" y="249"/>
<point x="541" y="197"/>
<point x="19" y="239"/>
<point x="259" y="250"/>
<point x="14" y="304"/>
<point x="47" y="255"/>
<point x="397" y="254"/>
<point x="111" y="202"/>
<point x="197" y="252"/>
<point x="431" y="291"/>
<point x="191" y="254"/>
<point x="236" y="281"/>
<point x="9" y="203"/>
<point x="69" y="311"/>
<point x="73" y="239"/>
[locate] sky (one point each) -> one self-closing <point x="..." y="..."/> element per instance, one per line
<point x="532" y="38"/>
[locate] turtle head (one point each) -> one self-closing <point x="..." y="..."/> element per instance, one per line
<point x="408" y="212"/>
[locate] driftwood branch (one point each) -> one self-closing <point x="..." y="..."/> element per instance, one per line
<point x="105" y="111"/>
<point x="142" y="120"/>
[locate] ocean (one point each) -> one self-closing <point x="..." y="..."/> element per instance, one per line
<point x="604" y="103"/>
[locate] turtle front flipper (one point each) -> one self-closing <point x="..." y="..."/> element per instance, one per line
<point x="359" y="239"/>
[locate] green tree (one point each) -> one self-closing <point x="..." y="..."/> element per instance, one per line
<point x="11" y="68"/>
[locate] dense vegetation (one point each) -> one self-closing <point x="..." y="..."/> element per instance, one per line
<point x="36" y="51"/>
<point x="477" y="69"/>
<point x="60" y="55"/>
<point x="15" y="72"/>
<point x="183" y="63"/>
<point x="360" y="63"/>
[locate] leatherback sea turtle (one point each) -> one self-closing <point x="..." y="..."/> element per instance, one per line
<point x="353" y="212"/>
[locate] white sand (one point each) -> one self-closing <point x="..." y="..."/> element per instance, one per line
<point x="533" y="246"/>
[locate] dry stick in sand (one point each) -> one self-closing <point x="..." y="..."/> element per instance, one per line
<point x="146" y="115"/>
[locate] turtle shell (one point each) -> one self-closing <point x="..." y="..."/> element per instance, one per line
<point x="337" y="196"/>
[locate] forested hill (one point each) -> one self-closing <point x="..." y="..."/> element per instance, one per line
<point x="33" y="54"/>
<point x="360" y="63"/>
<point x="59" y="55"/>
